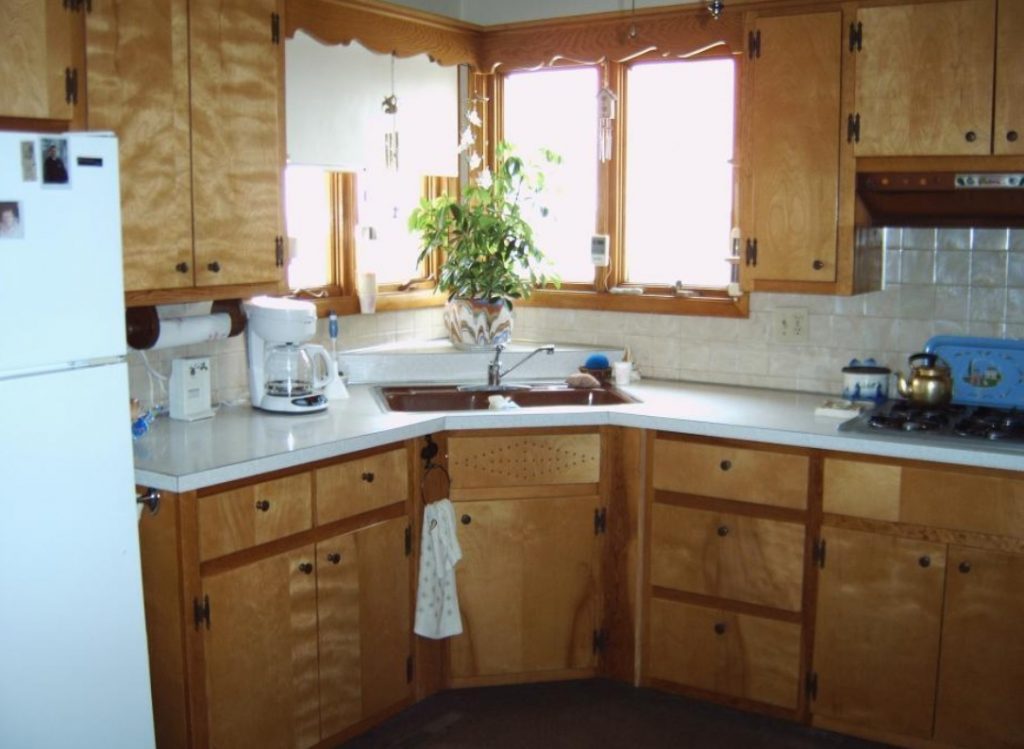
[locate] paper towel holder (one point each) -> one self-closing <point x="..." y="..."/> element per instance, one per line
<point x="142" y="324"/>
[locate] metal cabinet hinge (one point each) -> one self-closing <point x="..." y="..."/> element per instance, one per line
<point x="408" y="540"/>
<point x="856" y="36"/>
<point x="751" y="252"/>
<point x="201" y="611"/>
<point x="811" y="685"/>
<point x="600" y="521"/>
<point x="818" y="553"/>
<point x="853" y="128"/>
<point x="754" y="44"/>
<point x="279" y="252"/>
<point x="275" y="28"/>
<point x="600" y="641"/>
<point x="70" y="85"/>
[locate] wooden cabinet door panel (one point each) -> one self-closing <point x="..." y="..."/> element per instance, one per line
<point x="340" y="617"/>
<point x="526" y="585"/>
<point x="924" y="79"/>
<point x="236" y="126"/>
<point x="1009" y="113"/>
<point x="877" y="632"/>
<point x="982" y="666"/>
<point x="360" y="485"/>
<point x="794" y="134"/>
<point x="254" y="514"/>
<point x="729" y="556"/>
<point x="729" y="472"/>
<point x="33" y="58"/>
<point x="137" y="61"/>
<point x="261" y="654"/>
<point x="725" y="652"/>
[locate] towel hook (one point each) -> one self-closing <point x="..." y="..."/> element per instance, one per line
<point x="428" y="453"/>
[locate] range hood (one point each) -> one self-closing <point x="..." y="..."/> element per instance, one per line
<point x="942" y="198"/>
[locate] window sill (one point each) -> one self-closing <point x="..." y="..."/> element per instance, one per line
<point x="387" y="301"/>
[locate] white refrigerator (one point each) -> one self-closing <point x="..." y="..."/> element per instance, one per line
<point x="74" y="669"/>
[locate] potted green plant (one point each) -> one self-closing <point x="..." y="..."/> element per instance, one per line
<point x="485" y="235"/>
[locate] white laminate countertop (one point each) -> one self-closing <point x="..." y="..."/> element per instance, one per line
<point x="240" y="442"/>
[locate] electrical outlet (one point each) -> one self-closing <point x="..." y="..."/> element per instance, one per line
<point x="790" y="325"/>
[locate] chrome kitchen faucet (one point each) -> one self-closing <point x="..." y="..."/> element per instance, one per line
<point x="494" y="373"/>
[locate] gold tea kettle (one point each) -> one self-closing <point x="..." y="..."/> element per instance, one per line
<point x="930" y="382"/>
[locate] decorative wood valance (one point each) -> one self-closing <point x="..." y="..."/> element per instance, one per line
<point x="671" y="34"/>
<point x="386" y="29"/>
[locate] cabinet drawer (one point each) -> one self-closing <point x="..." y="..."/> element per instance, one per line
<point x="532" y="460"/>
<point x="729" y="556"/>
<point x="360" y="485"/>
<point x="941" y="498"/>
<point x="727" y="472"/>
<point x="725" y="652"/>
<point x="254" y="514"/>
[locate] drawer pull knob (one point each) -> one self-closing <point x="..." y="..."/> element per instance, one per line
<point x="818" y="264"/>
<point x="213" y="267"/>
<point x="334" y="557"/>
<point x="306" y="568"/>
<point x="1012" y="136"/>
<point x="725" y="465"/>
<point x="964" y="567"/>
<point x="368" y="477"/>
<point x="720" y="628"/>
<point x="971" y="136"/>
<point x="925" y="561"/>
<point x="466" y="520"/>
<point x="263" y="505"/>
<point x="181" y="267"/>
<point x="723" y="530"/>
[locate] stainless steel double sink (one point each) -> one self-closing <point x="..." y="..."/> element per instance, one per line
<point x="476" y="397"/>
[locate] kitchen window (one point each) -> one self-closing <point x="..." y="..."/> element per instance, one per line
<point x="664" y="194"/>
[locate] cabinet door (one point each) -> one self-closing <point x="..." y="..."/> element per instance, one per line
<point x="261" y="654"/>
<point x="236" y="127"/>
<point x="924" y="79"/>
<point x="876" y="645"/>
<point x="794" y="144"/>
<point x="34" y="58"/>
<point x="1009" y="114"/>
<point x="982" y="665"/>
<point x="527" y="586"/>
<point x="137" y="62"/>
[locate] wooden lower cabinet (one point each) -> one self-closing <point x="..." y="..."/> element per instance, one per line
<point x="877" y="630"/>
<point x="527" y="587"/>
<point x="725" y="652"/>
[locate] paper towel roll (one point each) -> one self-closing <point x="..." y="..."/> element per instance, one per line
<point x="183" y="331"/>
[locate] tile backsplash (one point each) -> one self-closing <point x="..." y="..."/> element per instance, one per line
<point x="936" y="281"/>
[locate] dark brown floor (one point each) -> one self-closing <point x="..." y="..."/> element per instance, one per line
<point x="593" y="713"/>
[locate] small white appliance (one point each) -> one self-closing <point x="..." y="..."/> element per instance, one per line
<point x="75" y="666"/>
<point x="286" y="375"/>
<point x="190" y="389"/>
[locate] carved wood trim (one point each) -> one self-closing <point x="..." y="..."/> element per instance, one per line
<point x="386" y="29"/>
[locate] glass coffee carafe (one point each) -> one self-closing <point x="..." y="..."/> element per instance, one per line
<point x="293" y="371"/>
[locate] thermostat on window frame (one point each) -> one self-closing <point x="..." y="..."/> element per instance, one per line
<point x="599" y="250"/>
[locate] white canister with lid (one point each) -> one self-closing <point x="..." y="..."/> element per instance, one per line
<point x="866" y="380"/>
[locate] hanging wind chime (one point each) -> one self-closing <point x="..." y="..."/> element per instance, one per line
<point x="390" y="107"/>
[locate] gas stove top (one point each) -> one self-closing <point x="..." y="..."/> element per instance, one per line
<point x="956" y="421"/>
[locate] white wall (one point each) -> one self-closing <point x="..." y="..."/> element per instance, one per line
<point x="488" y="12"/>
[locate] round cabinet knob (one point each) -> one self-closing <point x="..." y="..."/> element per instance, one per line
<point x="306" y="568"/>
<point x="213" y="267"/>
<point x="964" y="567"/>
<point x="1012" y="136"/>
<point x="466" y="520"/>
<point x="334" y="557"/>
<point x="725" y="465"/>
<point x="181" y="267"/>
<point x="723" y="530"/>
<point x="925" y="561"/>
<point x="368" y="477"/>
<point x="818" y="264"/>
<point x="720" y="628"/>
<point x="971" y="136"/>
<point x="263" y="505"/>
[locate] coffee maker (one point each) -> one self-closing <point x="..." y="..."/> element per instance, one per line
<point x="286" y="375"/>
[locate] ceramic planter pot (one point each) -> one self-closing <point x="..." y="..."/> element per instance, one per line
<point x="477" y="324"/>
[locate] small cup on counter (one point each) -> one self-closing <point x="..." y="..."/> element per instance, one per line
<point x="866" y="380"/>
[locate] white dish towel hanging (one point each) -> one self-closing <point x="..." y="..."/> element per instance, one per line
<point x="437" y="604"/>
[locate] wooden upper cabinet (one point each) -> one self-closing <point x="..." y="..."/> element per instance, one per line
<point x="236" y="67"/>
<point x="982" y="663"/>
<point x="1008" y="128"/>
<point x="794" y="130"/>
<point x="925" y="78"/>
<point x="137" y="63"/>
<point x="36" y="59"/>
<point x="879" y="618"/>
